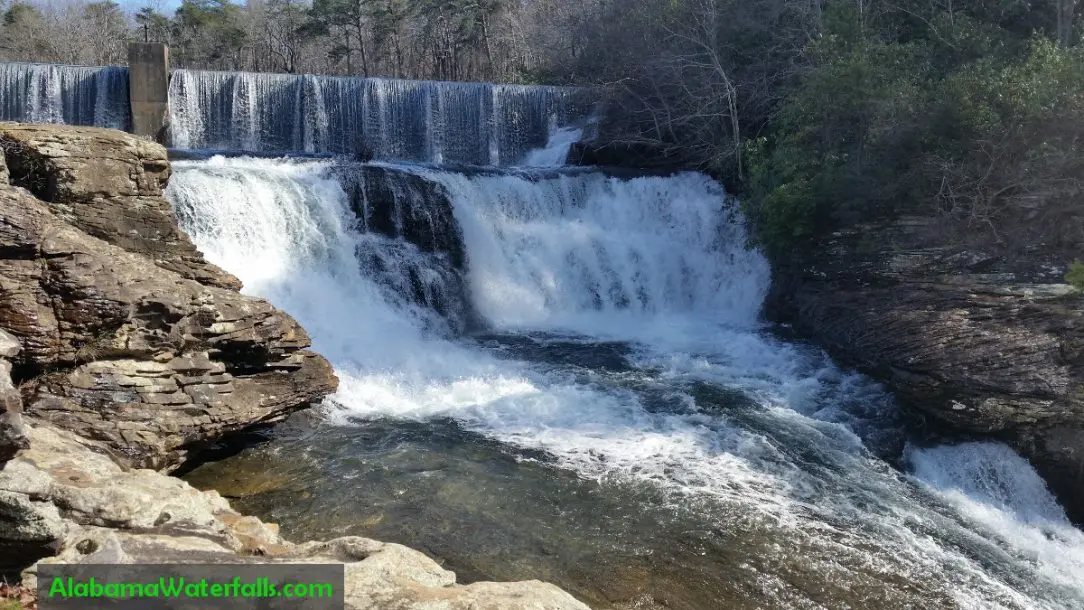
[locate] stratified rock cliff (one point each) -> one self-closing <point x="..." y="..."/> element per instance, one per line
<point x="128" y="336"/>
<point x="975" y="340"/>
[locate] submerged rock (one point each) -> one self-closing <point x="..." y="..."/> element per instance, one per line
<point x="973" y="342"/>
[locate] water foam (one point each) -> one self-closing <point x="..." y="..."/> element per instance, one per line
<point x="660" y="262"/>
<point x="995" y="487"/>
<point x="555" y="152"/>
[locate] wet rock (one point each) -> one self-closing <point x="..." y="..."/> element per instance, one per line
<point x="404" y="205"/>
<point x="971" y="341"/>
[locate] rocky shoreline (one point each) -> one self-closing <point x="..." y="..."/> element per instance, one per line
<point x="122" y="352"/>
<point x="975" y="342"/>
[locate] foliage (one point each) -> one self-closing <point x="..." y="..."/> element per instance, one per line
<point x="892" y="117"/>
<point x="1075" y="276"/>
<point x="444" y="39"/>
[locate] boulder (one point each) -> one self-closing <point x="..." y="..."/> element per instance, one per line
<point x="127" y="336"/>
<point x="134" y="355"/>
<point x="12" y="433"/>
<point x="107" y="184"/>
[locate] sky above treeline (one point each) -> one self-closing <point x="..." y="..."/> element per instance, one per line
<point x="162" y="6"/>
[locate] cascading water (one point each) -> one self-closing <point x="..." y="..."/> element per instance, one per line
<point x="440" y="122"/>
<point x="74" y="95"/>
<point x="620" y="424"/>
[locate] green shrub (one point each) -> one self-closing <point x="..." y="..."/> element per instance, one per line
<point x="984" y="126"/>
<point x="1075" y="276"/>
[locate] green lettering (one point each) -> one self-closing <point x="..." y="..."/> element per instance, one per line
<point x="174" y="588"/>
<point x="57" y="588"/>
<point x="151" y="590"/>
<point x="191" y="590"/>
<point x="133" y="590"/>
<point x="95" y="589"/>
<point x="249" y="590"/>
<point x="216" y="590"/>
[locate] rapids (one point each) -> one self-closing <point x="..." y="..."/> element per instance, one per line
<point x="605" y="410"/>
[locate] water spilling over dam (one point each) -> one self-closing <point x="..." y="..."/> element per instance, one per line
<point x="431" y="121"/>
<point x="438" y="122"/>
<point x="72" y="95"/>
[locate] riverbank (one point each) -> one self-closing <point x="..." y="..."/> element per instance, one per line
<point x="976" y="341"/>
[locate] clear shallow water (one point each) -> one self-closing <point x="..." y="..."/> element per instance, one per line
<point x="625" y="427"/>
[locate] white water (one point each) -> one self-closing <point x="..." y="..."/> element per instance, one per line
<point x="74" y="95"/>
<point x="555" y="152"/>
<point x="440" y="122"/>
<point x="661" y="262"/>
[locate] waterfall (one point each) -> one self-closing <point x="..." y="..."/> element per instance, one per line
<point x="586" y="250"/>
<point x="441" y="122"/>
<point x="555" y="152"/>
<point x="383" y="265"/>
<point x="73" y="95"/>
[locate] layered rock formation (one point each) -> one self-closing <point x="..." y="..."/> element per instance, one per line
<point x="977" y="342"/>
<point x="128" y="336"/>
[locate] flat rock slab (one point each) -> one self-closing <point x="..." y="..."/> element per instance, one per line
<point x="66" y="494"/>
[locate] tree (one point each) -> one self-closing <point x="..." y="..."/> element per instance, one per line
<point x="209" y="34"/>
<point x="24" y="35"/>
<point x="155" y="25"/>
<point x="105" y="33"/>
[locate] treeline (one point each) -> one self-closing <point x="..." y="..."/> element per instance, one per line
<point x="828" y="112"/>
<point x="505" y="40"/>
<point x="820" y="112"/>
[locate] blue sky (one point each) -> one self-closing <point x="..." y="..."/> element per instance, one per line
<point x="163" y="6"/>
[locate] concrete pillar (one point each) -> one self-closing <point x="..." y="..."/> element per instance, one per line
<point x="148" y="88"/>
